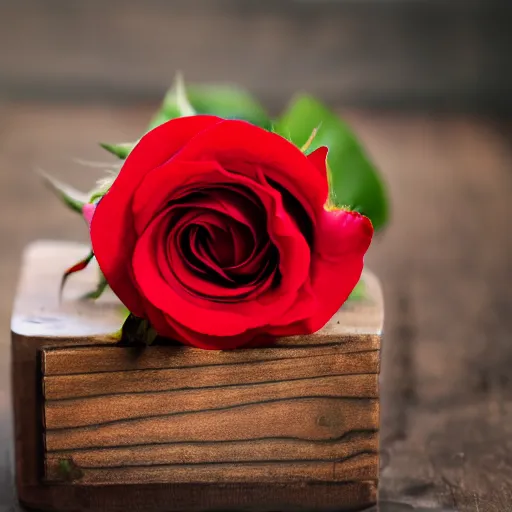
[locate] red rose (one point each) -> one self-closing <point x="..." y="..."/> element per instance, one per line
<point x="215" y="231"/>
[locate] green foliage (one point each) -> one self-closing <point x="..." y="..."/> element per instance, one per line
<point x="227" y="101"/>
<point x="354" y="179"/>
<point x="101" y="286"/>
<point x="176" y="104"/>
<point x="71" y="197"/>
<point x="359" y="292"/>
<point x="137" y="331"/>
<point x="121" y="150"/>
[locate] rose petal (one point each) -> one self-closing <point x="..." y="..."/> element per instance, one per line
<point x="206" y="221"/>
<point x="186" y="309"/>
<point x="173" y="182"/>
<point x="232" y="142"/>
<point x="177" y="272"/>
<point x="88" y="212"/>
<point x="220" y="246"/>
<point x="294" y="251"/>
<point x="341" y="243"/>
<point x="231" y="224"/>
<point x="168" y="327"/>
<point x="319" y="159"/>
<point x="112" y="233"/>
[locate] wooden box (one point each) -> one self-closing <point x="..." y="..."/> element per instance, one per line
<point x="101" y="427"/>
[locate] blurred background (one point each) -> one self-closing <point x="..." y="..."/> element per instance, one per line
<point x="427" y="85"/>
<point x="404" y="53"/>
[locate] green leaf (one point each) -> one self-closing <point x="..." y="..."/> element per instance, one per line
<point x="98" y="194"/>
<point x="359" y="292"/>
<point x="307" y="144"/>
<point x="180" y="99"/>
<point x="226" y="101"/>
<point x="121" y="150"/>
<point x="229" y="102"/>
<point x="124" y="314"/>
<point x="98" y="291"/>
<point x="161" y="117"/>
<point x="355" y="181"/>
<point x="175" y="104"/>
<point x="102" y="187"/>
<point x="137" y="331"/>
<point x="72" y="198"/>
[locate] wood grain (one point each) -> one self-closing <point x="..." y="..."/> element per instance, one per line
<point x="189" y="452"/>
<point x="361" y="466"/>
<point x="114" y="407"/>
<point x="257" y="415"/>
<point x="302" y="411"/>
<point x="303" y="418"/>
<point x="331" y="362"/>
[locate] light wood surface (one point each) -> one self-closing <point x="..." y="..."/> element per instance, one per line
<point x="40" y="311"/>
<point x="445" y="267"/>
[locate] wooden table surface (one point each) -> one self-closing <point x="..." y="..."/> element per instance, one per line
<point x="445" y="263"/>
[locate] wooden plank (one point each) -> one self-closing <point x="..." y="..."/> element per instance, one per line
<point x="113" y="407"/>
<point x="321" y="362"/>
<point x="320" y="428"/>
<point x="256" y="450"/>
<point x="96" y="360"/>
<point x="303" y="410"/>
<point x="361" y="466"/>
<point x="303" y="418"/>
<point x="197" y="497"/>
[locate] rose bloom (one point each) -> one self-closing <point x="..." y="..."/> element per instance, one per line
<point x="216" y="232"/>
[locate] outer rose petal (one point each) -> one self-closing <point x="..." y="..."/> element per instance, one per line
<point x="342" y="239"/>
<point x="88" y="212"/>
<point x="232" y="143"/>
<point x="168" y="327"/>
<point x="112" y="234"/>
<point x="319" y="159"/>
<point x="207" y="342"/>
